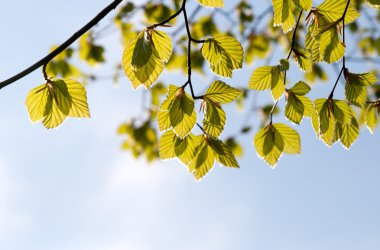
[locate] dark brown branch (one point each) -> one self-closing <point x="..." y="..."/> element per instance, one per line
<point x="294" y="36"/>
<point x="63" y="46"/>
<point x="344" y="69"/>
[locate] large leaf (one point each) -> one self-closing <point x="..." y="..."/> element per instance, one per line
<point x="224" y="54"/>
<point x="55" y="100"/>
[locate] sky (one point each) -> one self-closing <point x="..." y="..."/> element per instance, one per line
<point x="72" y="188"/>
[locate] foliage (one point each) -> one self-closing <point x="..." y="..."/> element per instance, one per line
<point x="215" y="44"/>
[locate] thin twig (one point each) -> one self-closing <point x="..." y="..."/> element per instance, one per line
<point x="63" y="46"/>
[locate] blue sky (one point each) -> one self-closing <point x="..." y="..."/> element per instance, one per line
<point x="72" y="188"/>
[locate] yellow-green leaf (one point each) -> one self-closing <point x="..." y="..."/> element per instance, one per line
<point x="330" y="47"/>
<point x="141" y="61"/>
<point x="167" y="145"/>
<point x="275" y="139"/>
<point x="303" y="59"/>
<point x="374" y="3"/>
<point x="212" y="3"/>
<point x="55" y="100"/>
<point x="162" y="44"/>
<point x="220" y="92"/>
<point x="224" y="54"/>
<point x="214" y="119"/>
<point x="372" y="116"/>
<point x="203" y="159"/>
<point x="269" y="77"/>
<point x="332" y="10"/>
<point x="356" y="87"/>
<point x="223" y="154"/>
<point x="283" y="14"/>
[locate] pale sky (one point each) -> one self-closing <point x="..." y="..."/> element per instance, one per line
<point x="72" y="188"/>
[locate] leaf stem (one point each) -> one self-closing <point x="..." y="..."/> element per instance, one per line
<point x="294" y="36"/>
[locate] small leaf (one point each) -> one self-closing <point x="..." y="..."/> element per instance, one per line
<point x="212" y="3"/>
<point x="372" y="116"/>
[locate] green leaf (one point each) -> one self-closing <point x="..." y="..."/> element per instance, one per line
<point x="332" y="10"/>
<point x="312" y="42"/>
<point x="356" y="87"/>
<point x="214" y="119"/>
<point x="223" y="154"/>
<point x="171" y="146"/>
<point x="203" y="159"/>
<point x="177" y="112"/>
<point x="212" y="3"/>
<point x="53" y="101"/>
<point x="283" y="14"/>
<point x="144" y="58"/>
<point x="303" y="59"/>
<point x="275" y="139"/>
<point x="348" y="133"/>
<point x="224" y="54"/>
<point x="162" y="44"/>
<point x="300" y="88"/>
<point x="372" y="116"/>
<point x="261" y="78"/>
<point x="269" y="77"/>
<point x="182" y="113"/>
<point x="185" y="148"/>
<point x="220" y="92"/>
<point x="330" y="47"/>
<point x="374" y="3"/>
<point x="167" y="145"/>
<point x="294" y="108"/>
<point x="206" y="152"/>
<point x="303" y="4"/>
<point x="90" y="52"/>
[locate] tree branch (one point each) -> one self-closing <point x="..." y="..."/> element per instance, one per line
<point x="63" y="46"/>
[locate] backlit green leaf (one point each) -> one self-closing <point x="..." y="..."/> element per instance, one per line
<point x="220" y="92"/>
<point x="55" y="100"/>
<point x="372" y="116"/>
<point x="214" y="119"/>
<point x="356" y="87"/>
<point x="275" y="139"/>
<point x="224" y="54"/>
<point x="332" y="10"/>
